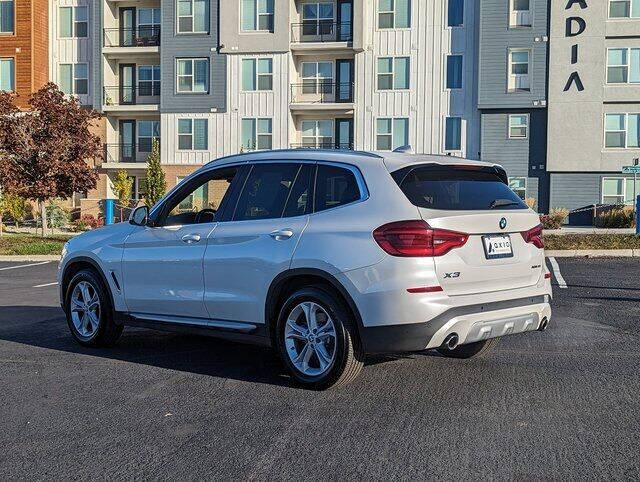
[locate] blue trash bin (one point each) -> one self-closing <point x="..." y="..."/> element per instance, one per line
<point x="109" y="205"/>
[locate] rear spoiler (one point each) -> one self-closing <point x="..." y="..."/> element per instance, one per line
<point x="400" y="175"/>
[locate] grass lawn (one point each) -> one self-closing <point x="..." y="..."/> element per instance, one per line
<point x="591" y="241"/>
<point x="28" y="244"/>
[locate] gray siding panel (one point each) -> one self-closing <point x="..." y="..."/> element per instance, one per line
<point x="95" y="17"/>
<point x="495" y="39"/>
<point x="512" y="154"/>
<point x="573" y="191"/>
<point x="175" y="46"/>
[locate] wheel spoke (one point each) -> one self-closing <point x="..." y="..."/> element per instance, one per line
<point x="94" y="301"/>
<point x="85" y="292"/>
<point x="76" y="305"/>
<point x="323" y="356"/>
<point x="307" y="357"/>
<point x="312" y="317"/>
<point x="295" y="330"/>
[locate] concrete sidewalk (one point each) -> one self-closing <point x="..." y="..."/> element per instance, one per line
<point x="588" y="230"/>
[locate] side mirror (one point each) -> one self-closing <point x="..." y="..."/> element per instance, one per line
<point x="139" y="216"/>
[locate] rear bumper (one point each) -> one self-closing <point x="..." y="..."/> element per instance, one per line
<point x="471" y="323"/>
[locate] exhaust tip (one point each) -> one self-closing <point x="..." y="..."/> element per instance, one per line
<point x="543" y="324"/>
<point x="451" y="341"/>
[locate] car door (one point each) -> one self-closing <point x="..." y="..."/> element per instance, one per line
<point x="257" y="241"/>
<point x="162" y="264"/>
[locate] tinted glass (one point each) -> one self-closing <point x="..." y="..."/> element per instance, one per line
<point x="456" y="188"/>
<point x="299" y="202"/>
<point x="335" y="186"/>
<point x="266" y="191"/>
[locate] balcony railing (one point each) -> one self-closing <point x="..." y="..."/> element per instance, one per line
<point x="144" y="36"/>
<point x="348" y="146"/>
<point x="142" y="94"/>
<point x="321" y="31"/>
<point x="114" y="153"/>
<point x="320" y="91"/>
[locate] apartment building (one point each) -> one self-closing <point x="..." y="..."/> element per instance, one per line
<point x="512" y="92"/>
<point x="24" y="54"/>
<point x="594" y="101"/>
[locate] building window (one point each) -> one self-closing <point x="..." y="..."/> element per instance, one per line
<point x="73" y="22"/>
<point x="73" y="79"/>
<point x="257" y="74"/>
<point x="317" y="134"/>
<point x="138" y="187"/>
<point x="7" y="75"/>
<point x="623" y="66"/>
<point x="193" y="75"/>
<point x="317" y="18"/>
<point x="519" y="186"/>
<point x="193" y="134"/>
<point x="518" y="80"/>
<point x="317" y="77"/>
<point x="193" y="16"/>
<point x="619" y="190"/>
<point x="392" y="133"/>
<point x="148" y="80"/>
<point x="393" y="73"/>
<point x="454" y="71"/>
<point x="257" y="134"/>
<point x="453" y="134"/>
<point x="520" y="13"/>
<point x="257" y="15"/>
<point x="148" y="131"/>
<point x="6" y="16"/>
<point x="394" y="13"/>
<point x="624" y="9"/>
<point x="622" y="131"/>
<point x="149" y="21"/>
<point x="518" y="126"/>
<point x="455" y="13"/>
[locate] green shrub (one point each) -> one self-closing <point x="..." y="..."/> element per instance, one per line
<point x="616" y="218"/>
<point x="555" y="219"/>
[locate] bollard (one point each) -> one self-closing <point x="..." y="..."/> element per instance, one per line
<point x="638" y="215"/>
<point x="109" y="204"/>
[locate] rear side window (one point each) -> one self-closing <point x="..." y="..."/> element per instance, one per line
<point x="335" y="186"/>
<point x="299" y="202"/>
<point x="456" y="188"/>
<point x="266" y="191"/>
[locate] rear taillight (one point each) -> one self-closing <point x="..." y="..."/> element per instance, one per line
<point x="534" y="236"/>
<point x="417" y="238"/>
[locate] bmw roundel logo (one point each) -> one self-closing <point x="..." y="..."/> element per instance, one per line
<point x="503" y="223"/>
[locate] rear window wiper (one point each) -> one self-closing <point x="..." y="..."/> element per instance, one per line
<point x="501" y="202"/>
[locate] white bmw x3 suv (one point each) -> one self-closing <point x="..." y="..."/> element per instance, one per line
<point x="325" y="256"/>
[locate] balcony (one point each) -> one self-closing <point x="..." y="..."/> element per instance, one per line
<point x="141" y="40"/>
<point x="320" y="95"/>
<point x="311" y="37"/>
<point x="126" y="99"/>
<point x="346" y="146"/>
<point x="118" y="156"/>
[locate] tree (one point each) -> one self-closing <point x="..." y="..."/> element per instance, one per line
<point x="43" y="152"/>
<point x="122" y="185"/>
<point x="156" y="183"/>
<point x="14" y="206"/>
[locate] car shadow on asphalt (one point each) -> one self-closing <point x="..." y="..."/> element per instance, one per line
<point x="46" y="327"/>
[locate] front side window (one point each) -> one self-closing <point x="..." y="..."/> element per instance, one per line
<point x="520" y="13"/>
<point x="518" y="80"/>
<point x="193" y="75"/>
<point x="624" y="8"/>
<point x="317" y="77"/>
<point x="257" y="74"/>
<point x="453" y="134"/>
<point x="622" y="131"/>
<point x="193" y="134"/>
<point x="317" y="134"/>
<point x="455" y="13"/>
<point x="257" y="15"/>
<point x="454" y="71"/>
<point x="266" y="191"/>
<point x="73" y="78"/>
<point x="518" y="126"/>
<point x="193" y="16"/>
<point x="623" y="66"/>
<point x="148" y="80"/>
<point x="335" y="186"/>
<point x="256" y="134"/>
<point x="317" y="18"/>
<point x="7" y="75"/>
<point x="301" y="195"/>
<point x="394" y="14"/>
<point x="6" y="16"/>
<point x="519" y="186"/>
<point x="148" y="131"/>
<point x="393" y="73"/>
<point x="73" y="22"/>
<point x="392" y="133"/>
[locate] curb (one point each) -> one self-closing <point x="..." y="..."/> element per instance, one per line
<point x="593" y="253"/>
<point x="31" y="257"/>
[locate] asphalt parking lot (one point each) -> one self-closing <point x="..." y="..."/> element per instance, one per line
<point x="563" y="404"/>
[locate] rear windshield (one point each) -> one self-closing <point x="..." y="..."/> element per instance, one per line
<point x="458" y="188"/>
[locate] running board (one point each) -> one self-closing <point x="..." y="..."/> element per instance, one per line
<point x="236" y="326"/>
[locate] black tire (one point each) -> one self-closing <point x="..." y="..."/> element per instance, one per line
<point x="348" y="360"/>
<point x="107" y="332"/>
<point x="470" y="350"/>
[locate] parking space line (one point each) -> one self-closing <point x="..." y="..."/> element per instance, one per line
<point x="46" y="284"/>
<point x="556" y="272"/>
<point x="25" y="265"/>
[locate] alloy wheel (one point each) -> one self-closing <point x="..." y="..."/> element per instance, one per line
<point x="85" y="309"/>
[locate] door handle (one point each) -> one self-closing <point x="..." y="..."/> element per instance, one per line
<point x="281" y="234"/>
<point x="191" y="238"/>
